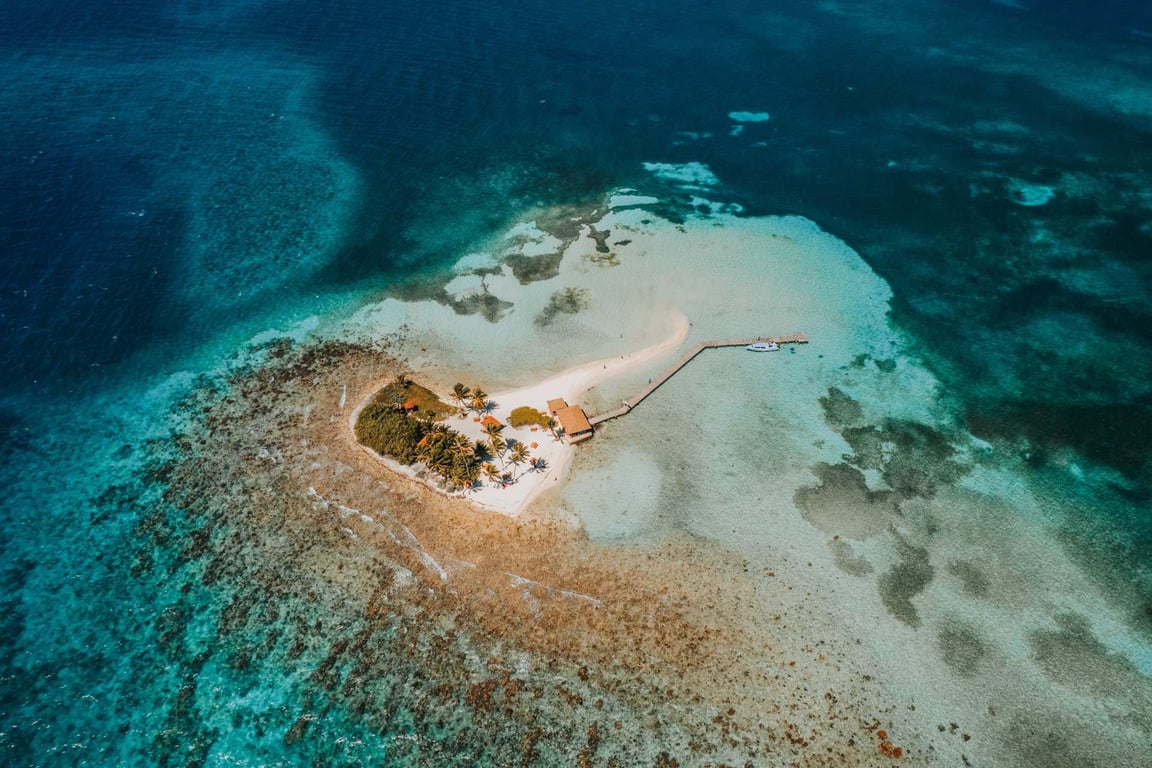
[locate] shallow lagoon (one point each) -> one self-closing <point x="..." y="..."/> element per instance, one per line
<point x="185" y="184"/>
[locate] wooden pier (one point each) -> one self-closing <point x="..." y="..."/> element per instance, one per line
<point x="689" y="356"/>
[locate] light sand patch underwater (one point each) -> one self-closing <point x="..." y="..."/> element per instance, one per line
<point x="829" y="482"/>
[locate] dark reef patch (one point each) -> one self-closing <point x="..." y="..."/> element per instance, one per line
<point x="913" y="458"/>
<point x="600" y="237"/>
<point x="566" y="302"/>
<point x="485" y="304"/>
<point x="847" y="560"/>
<point x="530" y="269"/>
<point x="972" y="579"/>
<point x="904" y="581"/>
<point x="840" y="410"/>
<point x="962" y="648"/>
<point x="843" y="504"/>
<point x="1073" y="656"/>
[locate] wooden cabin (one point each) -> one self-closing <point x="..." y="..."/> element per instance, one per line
<point x="574" y="422"/>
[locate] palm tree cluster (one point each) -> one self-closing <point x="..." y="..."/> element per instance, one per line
<point x="507" y="452"/>
<point x="471" y="398"/>
<point x="450" y="455"/>
<point x="453" y="457"/>
<point x="457" y="460"/>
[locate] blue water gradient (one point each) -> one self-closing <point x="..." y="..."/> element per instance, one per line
<point x="175" y="177"/>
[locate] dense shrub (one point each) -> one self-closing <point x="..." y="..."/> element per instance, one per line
<point x="526" y="415"/>
<point x="428" y="406"/>
<point x="390" y="432"/>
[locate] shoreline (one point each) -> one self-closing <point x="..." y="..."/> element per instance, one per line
<point x="513" y="500"/>
<point x="515" y="622"/>
<point x="811" y="523"/>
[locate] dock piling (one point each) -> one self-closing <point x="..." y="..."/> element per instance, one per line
<point x="689" y="356"/>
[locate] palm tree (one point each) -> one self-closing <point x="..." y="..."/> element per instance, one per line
<point x="424" y="451"/>
<point x="442" y="464"/>
<point x="479" y="399"/>
<point x="492" y="430"/>
<point x="492" y="473"/>
<point x="461" y="394"/>
<point x="518" y="453"/>
<point x="431" y="449"/>
<point x="462" y="445"/>
<point x="463" y="474"/>
<point x="498" y="445"/>
<point x="552" y="426"/>
<point x="451" y="477"/>
<point x="539" y="464"/>
<point x="481" y="451"/>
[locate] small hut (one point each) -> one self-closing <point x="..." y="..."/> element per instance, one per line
<point x="574" y="422"/>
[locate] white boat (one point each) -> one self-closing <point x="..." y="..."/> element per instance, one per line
<point x="763" y="346"/>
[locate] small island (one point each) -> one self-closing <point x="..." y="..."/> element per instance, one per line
<point x="408" y="424"/>
<point x="500" y="451"/>
<point x="466" y="448"/>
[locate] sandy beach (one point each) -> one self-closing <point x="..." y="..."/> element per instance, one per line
<point x="250" y="243"/>
<point x="528" y="483"/>
<point x="833" y="465"/>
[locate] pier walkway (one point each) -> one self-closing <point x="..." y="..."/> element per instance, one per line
<point x="689" y="356"/>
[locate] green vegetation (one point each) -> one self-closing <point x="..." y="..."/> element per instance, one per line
<point x="525" y="416"/>
<point x="479" y="402"/>
<point x="390" y="432"/>
<point x="518" y="453"/>
<point x="451" y="455"/>
<point x="461" y="394"/>
<point x="385" y="427"/>
<point x="417" y="437"/>
<point x="404" y="390"/>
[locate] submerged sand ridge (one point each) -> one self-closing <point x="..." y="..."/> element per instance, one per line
<point x="807" y="539"/>
<point x="842" y="461"/>
<point x="551" y="644"/>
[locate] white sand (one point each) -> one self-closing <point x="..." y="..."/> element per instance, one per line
<point x="714" y="277"/>
<point x="528" y="483"/>
<point x="570" y="385"/>
<point x="720" y="451"/>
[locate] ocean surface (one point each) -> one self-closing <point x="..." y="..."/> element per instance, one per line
<point x="178" y="178"/>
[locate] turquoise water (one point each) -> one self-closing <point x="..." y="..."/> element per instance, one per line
<point x="179" y="177"/>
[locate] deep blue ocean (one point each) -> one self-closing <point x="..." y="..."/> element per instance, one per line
<point x="177" y="176"/>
